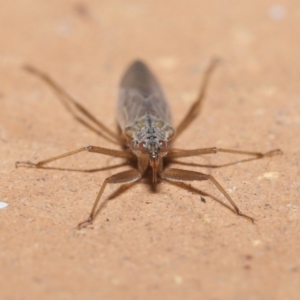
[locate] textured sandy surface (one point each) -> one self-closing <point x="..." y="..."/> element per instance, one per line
<point x="145" y="245"/>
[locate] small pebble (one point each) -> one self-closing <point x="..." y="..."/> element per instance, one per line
<point x="3" y="204"/>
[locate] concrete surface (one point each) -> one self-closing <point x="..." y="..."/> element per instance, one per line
<point x="145" y="245"/>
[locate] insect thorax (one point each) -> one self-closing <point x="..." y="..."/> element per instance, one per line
<point x="149" y="135"/>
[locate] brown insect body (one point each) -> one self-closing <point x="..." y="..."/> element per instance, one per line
<point x="144" y="117"/>
<point x="145" y="120"/>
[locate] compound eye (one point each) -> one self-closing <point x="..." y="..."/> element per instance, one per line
<point x="163" y="146"/>
<point x="142" y="147"/>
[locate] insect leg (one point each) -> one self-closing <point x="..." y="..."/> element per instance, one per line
<point x="176" y="153"/>
<point x="76" y="108"/>
<point x="123" y="177"/>
<point x="94" y="149"/>
<point x="185" y="175"/>
<point x="195" y="108"/>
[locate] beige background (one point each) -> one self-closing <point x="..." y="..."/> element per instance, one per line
<point x="145" y="245"/>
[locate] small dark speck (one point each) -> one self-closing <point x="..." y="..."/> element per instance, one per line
<point x="81" y="10"/>
<point x="107" y="220"/>
<point x="247" y="267"/>
<point x="37" y="279"/>
<point x="147" y="202"/>
<point x="294" y="269"/>
<point x="249" y="257"/>
<point x="203" y="199"/>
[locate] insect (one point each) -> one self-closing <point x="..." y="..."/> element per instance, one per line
<point x="144" y="118"/>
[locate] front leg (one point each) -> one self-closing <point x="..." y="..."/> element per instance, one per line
<point x="177" y="153"/>
<point x="93" y="149"/>
<point x="123" y="177"/>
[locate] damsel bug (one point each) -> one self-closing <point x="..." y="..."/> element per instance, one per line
<point x="144" y="118"/>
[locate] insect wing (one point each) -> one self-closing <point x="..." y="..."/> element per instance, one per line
<point x="140" y="95"/>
